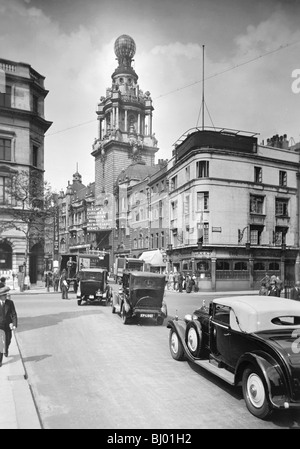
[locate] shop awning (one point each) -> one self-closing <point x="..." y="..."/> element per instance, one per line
<point x="154" y="258"/>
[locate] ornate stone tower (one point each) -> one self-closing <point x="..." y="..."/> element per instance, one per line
<point x="125" y="123"/>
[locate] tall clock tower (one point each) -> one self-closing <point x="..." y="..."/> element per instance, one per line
<point x="125" y="138"/>
<point x="125" y="133"/>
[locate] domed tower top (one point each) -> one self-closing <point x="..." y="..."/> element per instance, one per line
<point x="125" y="50"/>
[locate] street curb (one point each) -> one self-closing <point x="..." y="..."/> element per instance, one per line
<point x="20" y="411"/>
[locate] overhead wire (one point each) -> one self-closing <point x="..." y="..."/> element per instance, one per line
<point x="281" y="47"/>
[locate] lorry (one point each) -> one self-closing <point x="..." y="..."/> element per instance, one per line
<point x="123" y="264"/>
<point x="73" y="262"/>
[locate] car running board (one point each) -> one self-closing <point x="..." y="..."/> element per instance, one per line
<point x="214" y="369"/>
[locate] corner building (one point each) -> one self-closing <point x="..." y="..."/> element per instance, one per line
<point x="234" y="209"/>
<point x="22" y="130"/>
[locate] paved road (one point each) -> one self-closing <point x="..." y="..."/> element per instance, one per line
<point x="87" y="370"/>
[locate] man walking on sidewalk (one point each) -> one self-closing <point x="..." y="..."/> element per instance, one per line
<point x="8" y="321"/>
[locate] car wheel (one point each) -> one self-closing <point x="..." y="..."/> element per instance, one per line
<point x="193" y="339"/>
<point x="255" y="393"/>
<point x="175" y="346"/>
<point x="123" y="315"/>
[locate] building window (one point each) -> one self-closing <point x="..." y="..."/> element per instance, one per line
<point x="205" y="232"/>
<point x="274" y="266"/>
<point x="173" y="210"/>
<point x="256" y="204"/>
<point x="202" y="168"/>
<point x="174" y="183"/>
<point x="282" y="178"/>
<point x="255" y="235"/>
<point x="222" y="265"/>
<point x="259" y="266"/>
<point x="35" y="155"/>
<point x="135" y="244"/>
<point x="5" y="149"/>
<point x="156" y="241"/>
<point x="186" y="206"/>
<point x="240" y="266"/>
<point x="5" y="97"/>
<point x="203" y="268"/>
<point x="5" y="184"/>
<point x="162" y="239"/>
<point x="187" y="173"/>
<point x="151" y="240"/>
<point x="160" y="209"/>
<point x="141" y="241"/>
<point x="279" y="236"/>
<point x="281" y="207"/>
<point x="202" y="201"/>
<point x="258" y="175"/>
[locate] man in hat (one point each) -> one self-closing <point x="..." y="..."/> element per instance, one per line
<point x="8" y="321"/>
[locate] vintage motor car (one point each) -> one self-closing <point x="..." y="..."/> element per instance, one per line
<point x="141" y="296"/>
<point x="93" y="286"/>
<point x="252" y="341"/>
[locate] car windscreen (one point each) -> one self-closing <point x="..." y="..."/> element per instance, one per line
<point x="91" y="276"/>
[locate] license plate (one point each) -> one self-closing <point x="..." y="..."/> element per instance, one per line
<point x="146" y="315"/>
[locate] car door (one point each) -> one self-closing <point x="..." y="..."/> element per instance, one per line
<point x="220" y="332"/>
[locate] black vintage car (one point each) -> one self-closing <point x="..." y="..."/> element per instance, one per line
<point x="141" y="295"/>
<point x="253" y="341"/>
<point x="93" y="286"/>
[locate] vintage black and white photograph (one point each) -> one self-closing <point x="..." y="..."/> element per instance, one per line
<point x="149" y="217"/>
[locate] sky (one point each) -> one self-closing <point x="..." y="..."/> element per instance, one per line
<point x="251" y="58"/>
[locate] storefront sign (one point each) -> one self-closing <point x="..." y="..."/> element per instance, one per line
<point x="202" y="254"/>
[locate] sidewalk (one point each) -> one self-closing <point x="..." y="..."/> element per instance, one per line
<point x="18" y="409"/>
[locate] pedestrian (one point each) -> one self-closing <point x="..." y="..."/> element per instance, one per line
<point x="295" y="292"/>
<point x="64" y="285"/>
<point x="273" y="289"/>
<point x="180" y="281"/>
<point x="2" y="282"/>
<point x="8" y="321"/>
<point x="170" y="281"/>
<point x="263" y="291"/>
<point x="194" y="282"/>
<point x="55" y="281"/>
<point x="189" y="283"/>
<point x="176" y="277"/>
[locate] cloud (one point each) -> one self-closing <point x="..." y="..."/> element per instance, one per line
<point x="178" y="49"/>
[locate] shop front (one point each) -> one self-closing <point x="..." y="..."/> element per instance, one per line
<point x="234" y="269"/>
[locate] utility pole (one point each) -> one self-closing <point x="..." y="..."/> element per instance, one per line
<point x="202" y="87"/>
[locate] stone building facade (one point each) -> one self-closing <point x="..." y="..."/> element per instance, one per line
<point x="22" y="130"/>
<point x="234" y="212"/>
